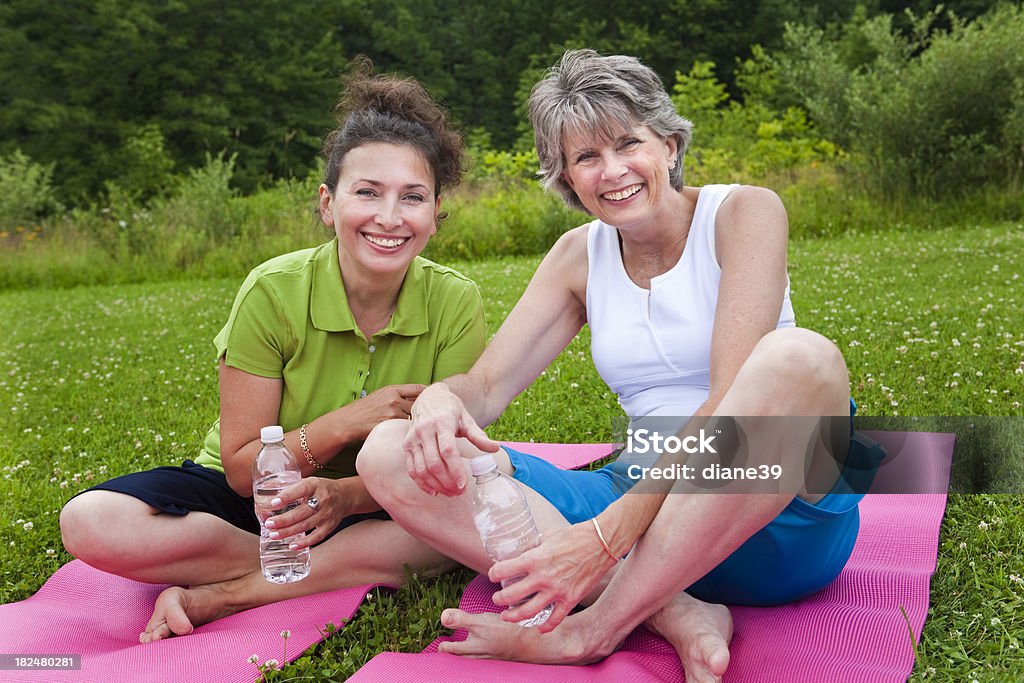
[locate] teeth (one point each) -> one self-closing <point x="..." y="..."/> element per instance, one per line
<point x="622" y="194"/>
<point x="385" y="242"/>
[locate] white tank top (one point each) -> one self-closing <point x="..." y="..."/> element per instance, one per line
<point x="653" y="347"/>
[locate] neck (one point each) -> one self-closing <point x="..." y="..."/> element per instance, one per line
<point x="656" y="247"/>
<point x="372" y="297"/>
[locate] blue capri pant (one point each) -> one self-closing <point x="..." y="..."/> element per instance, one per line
<point x="798" y="553"/>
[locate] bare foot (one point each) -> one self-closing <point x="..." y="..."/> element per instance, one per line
<point x="491" y="638"/>
<point x="700" y="633"/>
<point x="179" y="610"/>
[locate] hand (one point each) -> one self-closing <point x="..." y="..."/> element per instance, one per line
<point x="432" y="453"/>
<point x="562" y="570"/>
<point x="332" y="507"/>
<point x="387" y="403"/>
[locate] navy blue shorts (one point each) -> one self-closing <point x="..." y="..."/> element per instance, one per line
<point x="193" y="488"/>
<point x="799" y="552"/>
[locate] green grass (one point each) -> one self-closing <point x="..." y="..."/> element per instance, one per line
<point x="101" y="381"/>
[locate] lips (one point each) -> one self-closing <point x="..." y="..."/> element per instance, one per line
<point x="385" y="242"/>
<point x="624" y="193"/>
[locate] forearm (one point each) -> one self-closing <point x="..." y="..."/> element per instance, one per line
<point x="474" y="392"/>
<point x="326" y="437"/>
<point x="628" y="518"/>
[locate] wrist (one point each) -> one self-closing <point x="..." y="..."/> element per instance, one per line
<point x="305" y="451"/>
<point x="615" y="533"/>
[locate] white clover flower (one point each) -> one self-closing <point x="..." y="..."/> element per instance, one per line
<point x="27" y="526"/>
<point x="286" y="634"/>
<point x="253" y="658"/>
<point x="983" y="525"/>
<point x="995" y="621"/>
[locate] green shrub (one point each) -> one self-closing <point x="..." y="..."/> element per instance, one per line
<point x="501" y="218"/>
<point x="144" y="162"/>
<point x="933" y="112"/>
<point x="748" y="141"/>
<point x="26" y="191"/>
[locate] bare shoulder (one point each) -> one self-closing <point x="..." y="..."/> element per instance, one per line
<point x="566" y="262"/>
<point x="751" y="221"/>
<point x="752" y="206"/>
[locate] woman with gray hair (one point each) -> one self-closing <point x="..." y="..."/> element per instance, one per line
<point x="686" y="294"/>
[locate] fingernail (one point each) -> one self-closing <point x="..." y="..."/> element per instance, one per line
<point x="275" y="501"/>
<point x="269" y="524"/>
<point x="293" y="546"/>
<point x="446" y="617"/>
<point x="274" y="535"/>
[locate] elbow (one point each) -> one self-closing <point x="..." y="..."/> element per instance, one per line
<point x="240" y="482"/>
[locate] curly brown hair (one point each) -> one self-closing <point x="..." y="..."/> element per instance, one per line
<point x="397" y="110"/>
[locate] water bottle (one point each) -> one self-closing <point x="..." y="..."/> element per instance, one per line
<point x="275" y="469"/>
<point x="503" y="519"/>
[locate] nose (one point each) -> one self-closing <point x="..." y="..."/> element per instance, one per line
<point x="612" y="166"/>
<point x="389" y="216"/>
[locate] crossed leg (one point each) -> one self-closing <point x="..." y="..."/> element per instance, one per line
<point x="220" y="563"/>
<point x="790" y="372"/>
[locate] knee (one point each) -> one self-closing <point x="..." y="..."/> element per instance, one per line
<point x="381" y="460"/>
<point x="78" y="524"/>
<point x="90" y="524"/>
<point x="803" y="359"/>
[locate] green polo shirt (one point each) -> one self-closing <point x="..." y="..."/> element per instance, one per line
<point x="291" y="320"/>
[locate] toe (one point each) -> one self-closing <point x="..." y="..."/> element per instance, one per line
<point x="456" y="619"/>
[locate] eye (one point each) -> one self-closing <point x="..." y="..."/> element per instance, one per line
<point x="365" y="192"/>
<point x="415" y="198"/>
<point x="584" y="157"/>
<point x="629" y="143"/>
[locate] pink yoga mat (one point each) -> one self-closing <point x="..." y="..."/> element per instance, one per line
<point x="853" y="631"/>
<point x="81" y="610"/>
<point x="84" y="611"/>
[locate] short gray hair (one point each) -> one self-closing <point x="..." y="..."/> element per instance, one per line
<point x="593" y="94"/>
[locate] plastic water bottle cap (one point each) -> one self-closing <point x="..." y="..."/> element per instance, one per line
<point x="272" y="434"/>
<point x="482" y="464"/>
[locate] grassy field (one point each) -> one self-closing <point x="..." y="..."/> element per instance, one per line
<point x="101" y="381"/>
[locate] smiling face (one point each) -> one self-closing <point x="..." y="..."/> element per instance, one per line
<point x="621" y="179"/>
<point x="383" y="209"/>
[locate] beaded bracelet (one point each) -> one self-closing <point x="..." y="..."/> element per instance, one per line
<point x="604" y="543"/>
<point x="305" y="449"/>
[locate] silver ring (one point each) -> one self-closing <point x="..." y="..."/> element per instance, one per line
<point x="313" y="502"/>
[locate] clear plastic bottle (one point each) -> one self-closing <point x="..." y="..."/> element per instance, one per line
<point x="502" y="516"/>
<point x="274" y="469"/>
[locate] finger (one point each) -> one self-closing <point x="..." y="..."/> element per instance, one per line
<point x="447" y="467"/>
<point x="558" y="615"/>
<point x="528" y="609"/>
<point x="507" y="569"/>
<point x="310" y="538"/>
<point x="410" y="391"/>
<point x="304" y="488"/>
<point x="469" y="429"/>
<point x="518" y="591"/>
<point x="421" y="475"/>
<point x="404" y="406"/>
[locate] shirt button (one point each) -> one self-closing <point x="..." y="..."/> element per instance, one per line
<point x="372" y="348"/>
<point x="362" y="394"/>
